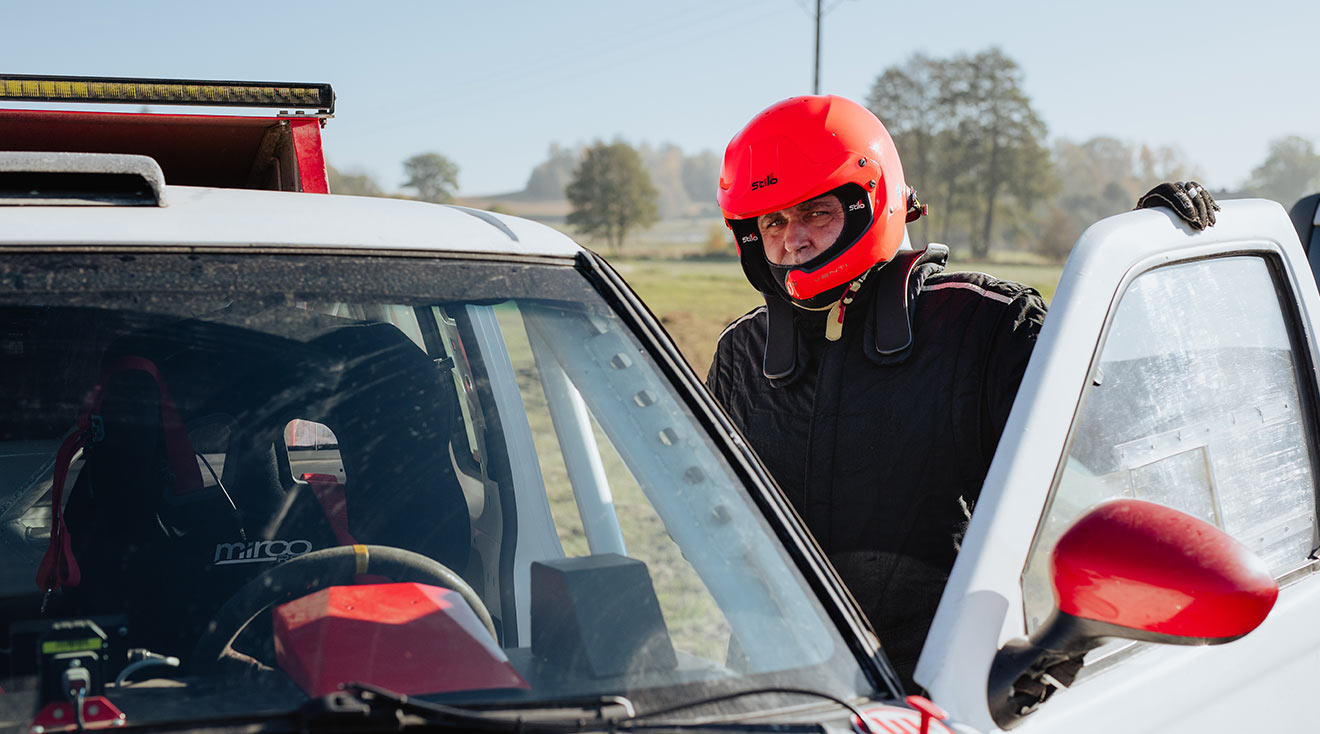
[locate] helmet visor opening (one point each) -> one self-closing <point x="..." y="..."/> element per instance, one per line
<point x="857" y="220"/>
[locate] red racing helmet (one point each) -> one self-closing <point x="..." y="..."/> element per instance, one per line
<point x="797" y="150"/>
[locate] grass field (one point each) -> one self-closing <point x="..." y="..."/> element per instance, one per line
<point x="696" y="299"/>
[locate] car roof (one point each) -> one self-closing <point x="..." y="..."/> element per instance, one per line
<point x="210" y="217"/>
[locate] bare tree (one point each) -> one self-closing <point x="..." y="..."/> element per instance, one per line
<point x="970" y="141"/>
<point x="910" y="101"/>
<point x="1289" y="172"/>
<point x="550" y="177"/>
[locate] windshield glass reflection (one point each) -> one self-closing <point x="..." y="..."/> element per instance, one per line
<point x="233" y="485"/>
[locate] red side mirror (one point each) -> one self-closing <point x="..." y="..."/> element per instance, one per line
<point x="1160" y="575"/>
<point x="1138" y="571"/>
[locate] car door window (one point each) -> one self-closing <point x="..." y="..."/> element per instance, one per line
<point x="313" y="448"/>
<point x="1195" y="402"/>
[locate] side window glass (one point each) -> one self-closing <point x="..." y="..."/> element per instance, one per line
<point x="597" y="505"/>
<point x="313" y="449"/>
<point x="302" y="435"/>
<point x="1195" y="404"/>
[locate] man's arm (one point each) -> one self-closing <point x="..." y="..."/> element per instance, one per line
<point x="721" y="377"/>
<point x="1014" y="340"/>
<point x="713" y="382"/>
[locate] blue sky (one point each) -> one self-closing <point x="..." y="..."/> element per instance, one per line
<point x="492" y="85"/>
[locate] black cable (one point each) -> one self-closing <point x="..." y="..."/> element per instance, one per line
<point x="238" y="517"/>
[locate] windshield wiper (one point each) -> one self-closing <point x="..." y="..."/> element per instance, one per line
<point x="651" y="721"/>
<point x="365" y="706"/>
<point x="362" y="706"/>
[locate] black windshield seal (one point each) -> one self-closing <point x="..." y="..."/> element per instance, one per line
<point x="90" y="278"/>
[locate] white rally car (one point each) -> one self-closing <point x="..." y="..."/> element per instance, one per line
<point x="274" y="460"/>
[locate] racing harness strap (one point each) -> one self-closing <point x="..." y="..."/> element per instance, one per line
<point x="330" y="494"/>
<point x="58" y="566"/>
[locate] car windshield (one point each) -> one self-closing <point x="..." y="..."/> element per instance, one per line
<point x="233" y="483"/>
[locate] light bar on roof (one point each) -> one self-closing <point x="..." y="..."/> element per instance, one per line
<point x="33" y="88"/>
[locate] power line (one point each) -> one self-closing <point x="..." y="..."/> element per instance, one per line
<point x="815" y="79"/>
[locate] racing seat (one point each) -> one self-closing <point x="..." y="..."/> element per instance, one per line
<point x="161" y="559"/>
<point x="393" y="415"/>
<point x="140" y="516"/>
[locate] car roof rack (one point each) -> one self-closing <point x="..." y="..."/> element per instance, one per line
<point x="281" y="152"/>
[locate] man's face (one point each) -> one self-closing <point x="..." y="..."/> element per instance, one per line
<point x="794" y="235"/>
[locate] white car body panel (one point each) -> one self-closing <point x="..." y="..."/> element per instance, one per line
<point x="1159" y="688"/>
<point x="202" y="217"/>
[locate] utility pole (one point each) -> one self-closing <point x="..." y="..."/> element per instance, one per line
<point x="815" y="82"/>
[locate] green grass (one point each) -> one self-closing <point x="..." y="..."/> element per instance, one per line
<point x="696" y="299"/>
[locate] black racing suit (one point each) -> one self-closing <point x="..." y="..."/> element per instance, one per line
<point x="882" y="439"/>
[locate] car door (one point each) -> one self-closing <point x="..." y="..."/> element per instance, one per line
<point x="1178" y="367"/>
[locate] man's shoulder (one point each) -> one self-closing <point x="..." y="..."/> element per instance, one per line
<point x="743" y="326"/>
<point x="977" y="285"/>
<point x="983" y="302"/>
<point x="737" y="353"/>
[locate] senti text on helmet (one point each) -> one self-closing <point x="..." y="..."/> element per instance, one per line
<point x="769" y="180"/>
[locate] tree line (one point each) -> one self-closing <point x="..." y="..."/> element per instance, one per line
<point x="971" y="141"/>
<point x="977" y="151"/>
<point x="432" y="176"/>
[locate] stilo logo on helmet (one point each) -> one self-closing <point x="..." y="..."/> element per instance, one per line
<point x="810" y="146"/>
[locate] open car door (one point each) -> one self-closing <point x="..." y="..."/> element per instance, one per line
<point x="1176" y="367"/>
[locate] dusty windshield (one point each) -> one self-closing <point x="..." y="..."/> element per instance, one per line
<point x="230" y="484"/>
